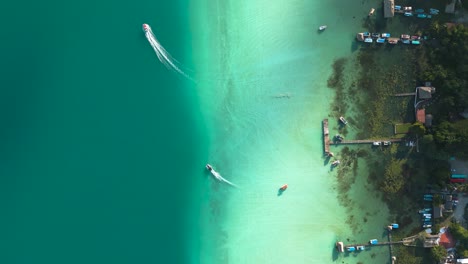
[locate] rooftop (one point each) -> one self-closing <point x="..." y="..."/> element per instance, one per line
<point x="446" y="240"/>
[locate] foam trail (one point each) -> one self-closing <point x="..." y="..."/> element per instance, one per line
<point x="163" y="56"/>
<point x="220" y="178"/>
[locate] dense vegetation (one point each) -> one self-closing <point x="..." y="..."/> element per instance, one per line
<point x="447" y="69"/>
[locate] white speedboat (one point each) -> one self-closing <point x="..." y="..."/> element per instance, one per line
<point x="146" y="28"/>
<point x="209" y="167"/>
<point x="322" y="28"/>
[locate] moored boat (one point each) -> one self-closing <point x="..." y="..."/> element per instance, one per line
<point x="368" y="40"/>
<point x="360" y="248"/>
<point x="339" y="137"/>
<point x="375" y="35"/>
<point x="343" y="120"/>
<point x="393" y="41"/>
<point x="350" y="249"/>
<point x="284" y="187"/>
<point x="422" y="16"/>
<point x="322" y="28"/>
<point x="397" y="8"/>
<point x="373" y="241"/>
<point x="339" y="246"/>
<point x="405" y="36"/>
<point x="335" y="163"/>
<point x="371" y="12"/>
<point x="360" y="36"/>
<point x="366" y="34"/>
<point x="380" y="40"/>
<point x="420" y="10"/>
<point x="408" y="14"/>
<point x="415" y="42"/>
<point x="385" y="35"/>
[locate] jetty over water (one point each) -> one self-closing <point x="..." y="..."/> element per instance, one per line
<point x="326" y="137"/>
<point x="327" y="142"/>
<point x="365" y="141"/>
<point x="389" y="8"/>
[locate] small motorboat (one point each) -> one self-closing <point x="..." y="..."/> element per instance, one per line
<point x="407" y="8"/>
<point x="373" y="241"/>
<point x="393" y="41"/>
<point x="406" y="41"/>
<point x="209" y="167"/>
<point x="405" y="36"/>
<point x="433" y="10"/>
<point x="415" y="42"/>
<point x="420" y="10"/>
<point x="350" y="249"/>
<point x="360" y="248"/>
<point x="371" y="12"/>
<point x="335" y="163"/>
<point x="322" y="28"/>
<point x="408" y="14"/>
<point x="422" y="16"/>
<point x="284" y="187"/>
<point x="375" y="35"/>
<point x="385" y="35"/>
<point x="342" y="119"/>
<point x="380" y="40"/>
<point x="397" y="8"/>
<point x="339" y="137"/>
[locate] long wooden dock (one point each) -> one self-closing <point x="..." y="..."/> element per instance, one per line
<point x="404" y="94"/>
<point x="365" y="141"/>
<point x="326" y="136"/>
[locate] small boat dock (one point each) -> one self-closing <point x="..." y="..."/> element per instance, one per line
<point x="326" y="136"/>
<point x="365" y="141"/>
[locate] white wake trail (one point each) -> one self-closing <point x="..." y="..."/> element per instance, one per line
<point x="220" y="178"/>
<point x="163" y="56"/>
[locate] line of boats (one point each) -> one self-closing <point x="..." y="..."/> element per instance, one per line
<point x="385" y="37"/>
<point x="419" y="13"/>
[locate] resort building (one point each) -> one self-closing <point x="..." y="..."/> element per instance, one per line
<point x="438" y="211"/>
<point x="425" y="92"/>
<point x="389" y="8"/>
<point x="421" y="115"/>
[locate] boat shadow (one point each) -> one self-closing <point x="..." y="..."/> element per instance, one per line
<point x="335" y="253"/>
<point x="326" y="161"/>
<point x="280" y="192"/>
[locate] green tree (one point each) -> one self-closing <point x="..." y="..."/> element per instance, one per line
<point x="438" y="253"/>
<point x="393" y="178"/>
<point x="417" y="129"/>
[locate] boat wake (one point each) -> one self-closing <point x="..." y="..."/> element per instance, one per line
<point x="219" y="177"/>
<point x="163" y="56"/>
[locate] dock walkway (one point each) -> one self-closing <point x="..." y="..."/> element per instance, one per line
<point x="326" y="136"/>
<point x="404" y="94"/>
<point x="365" y="141"/>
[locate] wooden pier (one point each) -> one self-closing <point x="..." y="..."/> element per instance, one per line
<point x="365" y="141"/>
<point x="326" y="136"/>
<point x="404" y="94"/>
<point x="327" y="142"/>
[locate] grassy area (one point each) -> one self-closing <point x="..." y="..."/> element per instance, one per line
<point x="402" y="128"/>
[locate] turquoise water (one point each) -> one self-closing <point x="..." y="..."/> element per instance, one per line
<point x="103" y="148"/>
<point x="251" y="53"/>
